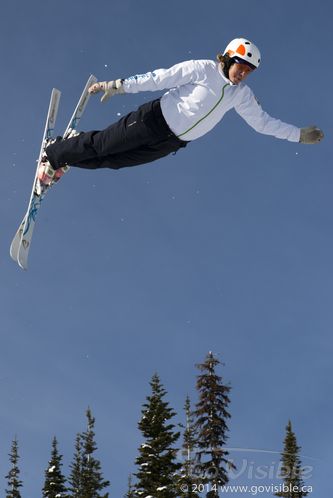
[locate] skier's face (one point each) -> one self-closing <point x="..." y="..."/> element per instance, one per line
<point x="238" y="72"/>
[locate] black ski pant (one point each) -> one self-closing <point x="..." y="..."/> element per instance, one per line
<point x="140" y="137"/>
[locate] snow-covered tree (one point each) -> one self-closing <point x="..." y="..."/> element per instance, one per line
<point x="187" y="479"/>
<point x="55" y="482"/>
<point x="157" y="465"/>
<point x="13" y="476"/>
<point x="86" y="479"/>
<point x="211" y="416"/>
<point x="291" y="467"/>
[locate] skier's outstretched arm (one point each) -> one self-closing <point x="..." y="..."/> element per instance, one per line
<point x="160" y="79"/>
<point x="251" y="111"/>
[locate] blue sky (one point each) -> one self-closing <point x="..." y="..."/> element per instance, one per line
<point x="226" y="246"/>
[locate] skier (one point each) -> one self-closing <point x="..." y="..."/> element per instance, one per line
<point x="199" y="94"/>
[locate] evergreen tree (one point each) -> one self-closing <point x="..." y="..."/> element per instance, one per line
<point x="13" y="476"/>
<point x="211" y="424"/>
<point x="157" y="459"/>
<point x="86" y="479"/>
<point x="188" y="480"/>
<point x="75" y="478"/>
<point x="131" y="488"/>
<point x="291" y="467"/>
<point x="54" y="485"/>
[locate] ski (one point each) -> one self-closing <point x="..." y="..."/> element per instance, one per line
<point x="23" y="235"/>
<point x="21" y="243"/>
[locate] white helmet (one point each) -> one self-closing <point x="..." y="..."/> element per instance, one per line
<point x="242" y="50"/>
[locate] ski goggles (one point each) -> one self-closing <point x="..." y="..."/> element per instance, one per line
<point x="239" y="60"/>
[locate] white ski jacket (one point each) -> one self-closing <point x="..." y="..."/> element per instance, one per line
<point x="198" y="97"/>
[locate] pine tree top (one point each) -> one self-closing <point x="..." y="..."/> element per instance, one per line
<point x="157" y="455"/>
<point x="211" y="416"/>
<point x="13" y="480"/>
<point x="291" y="467"/>
<point x="54" y="484"/>
<point x="86" y="478"/>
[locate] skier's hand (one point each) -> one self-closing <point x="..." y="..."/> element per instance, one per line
<point x="311" y="135"/>
<point x="109" y="88"/>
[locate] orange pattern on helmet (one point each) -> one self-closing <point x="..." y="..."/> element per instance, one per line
<point x="241" y="50"/>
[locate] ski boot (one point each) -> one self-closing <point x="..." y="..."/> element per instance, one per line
<point x="47" y="176"/>
<point x="45" y="172"/>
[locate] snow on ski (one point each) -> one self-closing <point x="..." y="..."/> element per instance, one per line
<point x="20" y="246"/>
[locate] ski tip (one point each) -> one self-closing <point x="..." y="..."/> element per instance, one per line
<point x="23" y="266"/>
